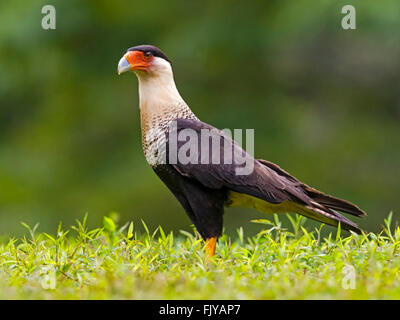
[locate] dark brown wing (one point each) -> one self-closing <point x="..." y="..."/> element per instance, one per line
<point x="266" y="181"/>
<point x="263" y="182"/>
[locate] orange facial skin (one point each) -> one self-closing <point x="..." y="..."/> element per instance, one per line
<point x="138" y="60"/>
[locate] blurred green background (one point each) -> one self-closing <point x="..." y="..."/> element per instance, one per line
<point x="324" y="102"/>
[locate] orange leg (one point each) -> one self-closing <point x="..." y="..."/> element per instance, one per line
<point x="211" y="244"/>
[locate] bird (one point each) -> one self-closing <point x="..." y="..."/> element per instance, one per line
<point x="204" y="189"/>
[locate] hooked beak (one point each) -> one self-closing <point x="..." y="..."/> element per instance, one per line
<point x="133" y="60"/>
<point x="123" y="65"/>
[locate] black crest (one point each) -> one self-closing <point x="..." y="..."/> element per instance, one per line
<point x="149" y="48"/>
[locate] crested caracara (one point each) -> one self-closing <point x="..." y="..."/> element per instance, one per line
<point x="204" y="188"/>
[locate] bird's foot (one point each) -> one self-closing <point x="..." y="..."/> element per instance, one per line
<point x="211" y="244"/>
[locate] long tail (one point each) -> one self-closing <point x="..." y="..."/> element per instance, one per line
<point x="326" y="215"/>
<point x="333" y="203"/>
<point x="322" y="207"/>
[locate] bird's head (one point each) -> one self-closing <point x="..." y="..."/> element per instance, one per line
<point x="156" y="80"/>
<point x="144" y="60"/>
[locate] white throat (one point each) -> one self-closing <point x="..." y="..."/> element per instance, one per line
<point x="160" y="103"/>
<point x="157" y="89"/>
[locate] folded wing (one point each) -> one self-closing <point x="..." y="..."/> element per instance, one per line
<point x="267" y="187"/>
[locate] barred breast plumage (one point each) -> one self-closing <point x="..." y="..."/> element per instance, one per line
<point x="155" y="127"/>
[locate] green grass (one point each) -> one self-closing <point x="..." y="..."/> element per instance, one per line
<point x="121" y="263"/>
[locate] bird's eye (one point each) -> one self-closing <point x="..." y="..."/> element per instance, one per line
<point x="148" y="54"/>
